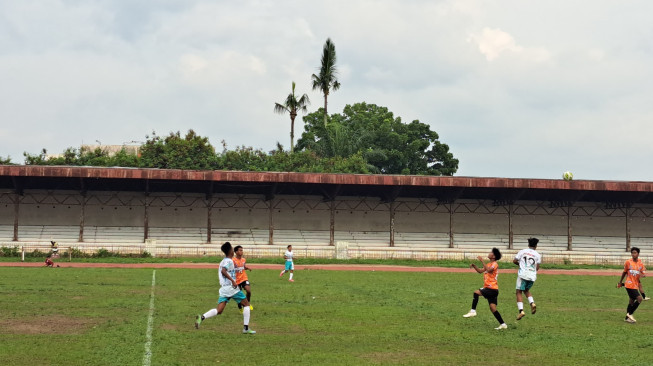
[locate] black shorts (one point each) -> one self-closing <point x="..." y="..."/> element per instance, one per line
<point x="243" y="284"/>
<point x="490" y="294"/>
<point x="632" y="293"/>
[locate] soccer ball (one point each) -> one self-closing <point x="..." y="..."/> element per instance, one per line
<point x="567" y="176"/>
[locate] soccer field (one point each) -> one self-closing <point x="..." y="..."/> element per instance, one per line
<point x="83" y="316"/>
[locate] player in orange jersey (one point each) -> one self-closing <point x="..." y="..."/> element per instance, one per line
<point x="241" y="276"/>
<point x="490" y="289"/>
<point x="633" y="270"/>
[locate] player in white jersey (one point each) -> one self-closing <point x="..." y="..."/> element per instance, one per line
<point x="528" y="261"/>
<point x="290" y="266"/>
<point x="228" y="290"/>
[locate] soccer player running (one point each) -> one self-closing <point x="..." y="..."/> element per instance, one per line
<point x="528" y="261"/>
<point x="490" y="289"/>
<point x="241" y="275"/>
<point x="634" y="269"/>
<point x="290" y="266"/>
<point x="228" y="290"/>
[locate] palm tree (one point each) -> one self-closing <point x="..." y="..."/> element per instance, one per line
<point x="327" y="80"/>
<point x="292" y="105"/>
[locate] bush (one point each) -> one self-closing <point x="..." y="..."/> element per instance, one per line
<point x="9" y="252"/>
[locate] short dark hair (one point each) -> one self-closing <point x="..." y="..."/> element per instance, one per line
<point x="497" y="253"/>
<point x="289" y="246"/>
<point x="634" y="249"/>
<point x="226" y="248"/>
<point x="238" y="247"/>
<point x="532" y="242"/>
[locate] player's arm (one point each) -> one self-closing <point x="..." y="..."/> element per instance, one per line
<point x="227" y="276"/>
<point x="479" y="270"/>
<point x="515" y="261"/>
<point x="621" y="280"/>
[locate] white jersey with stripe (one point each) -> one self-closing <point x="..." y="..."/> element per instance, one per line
<point x="288" y="256"/>
<point x="226" y="287"/>
<point x="528" y="261"/>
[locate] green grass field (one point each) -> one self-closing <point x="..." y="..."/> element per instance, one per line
<point x="78" y="316"/>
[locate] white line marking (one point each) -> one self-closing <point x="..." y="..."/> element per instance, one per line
<point x="147" y="358"/>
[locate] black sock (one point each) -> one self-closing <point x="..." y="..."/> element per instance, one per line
<point x="634" y="307"/>
<point x="643" y="295"/>
<point x="629" y="309"/>
<point x="475" y="301"/>
<point x="246" y="327"/>
<point x="203" y="317"/>
<point x="240" y="306"/>
<point x="498" y="316"/>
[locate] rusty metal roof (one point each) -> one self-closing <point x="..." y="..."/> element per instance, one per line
<point x="17" y="177"/>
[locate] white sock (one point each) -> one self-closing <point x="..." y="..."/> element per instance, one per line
<point x="245" y="315"/>
<point x="210" y="313"/>
<point x="291" y="275"/>
<point x="472" y="311"/>
<point x="520" y="305"/>
<point x="530" y="300"/>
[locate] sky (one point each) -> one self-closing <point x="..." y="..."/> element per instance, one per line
<point x="517" y="89"/>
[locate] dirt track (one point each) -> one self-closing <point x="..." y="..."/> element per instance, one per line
<point x="327" y="267"/>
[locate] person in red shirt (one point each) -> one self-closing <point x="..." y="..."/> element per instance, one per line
<point x="241" y="276"/>
<point x="49" y="262"/>
<point x="633" y="270"/>
<point x="490" y="289"/>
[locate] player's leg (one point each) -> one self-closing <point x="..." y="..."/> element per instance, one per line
<point x="519" y="288"/>
<point x="248" y="294"/>
<point x="472" y="312"/>
<point x="633" y="304"/>
<point x="246" y="312"/>
<point x="492" y="301"/>
<point x="529" y="296"/>
<point x="641" y="290"/>
<point x="292" y="273"/>
<point x="222" y="302"/>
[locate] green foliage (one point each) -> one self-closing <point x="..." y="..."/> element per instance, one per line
<point x="9" y="251"/>
<point x="6" y="161"/>
<point x="176" y="152"/>
<point x="327" y="78"/>
<point x="387" y="144"/>
<point x="83" y="157"/>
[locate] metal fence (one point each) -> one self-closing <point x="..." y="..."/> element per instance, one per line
<point x="328" y="252"/>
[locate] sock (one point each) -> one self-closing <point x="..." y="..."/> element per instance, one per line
<point x="240" y="306"/>
<point x="634" y="307"/>
<point x="291" y="275"/>
<point x="629" y="309"/>
<point x="246" y="316"/>
<point x="520" y="306"/>
<point x="474" y="302"/>
<point x="498" y="316"/>
<point x="530" y="300"/>
<point x="643" y="295"/>
<point x="210" y="313"/>
<point x="246" y="327"/>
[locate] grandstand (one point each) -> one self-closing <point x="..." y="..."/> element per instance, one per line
<point x="172" y="212"/>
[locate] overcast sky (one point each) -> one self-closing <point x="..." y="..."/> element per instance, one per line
<point x="520" y="89"/>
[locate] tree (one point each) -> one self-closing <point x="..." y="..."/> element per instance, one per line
<point x="176" y="152"/>
<point x="388" y="145"/>
<point x="292" y="105"/>
<point x="326" y="79"/>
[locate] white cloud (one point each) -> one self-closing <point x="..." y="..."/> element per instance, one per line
<point x="494" y="42"/>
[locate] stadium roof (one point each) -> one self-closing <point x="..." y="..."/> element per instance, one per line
<point x="386" y="187"/>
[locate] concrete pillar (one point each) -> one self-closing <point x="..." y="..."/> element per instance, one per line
<point x="627" y="229"/>
<point x="209" y="225"/>
<point x="451" y="225"/>
<point x="510" y="234"/>
<point x="392" y="224"/>
<point x="16" y="206"/>
<point x="82" y="215"/>
<point x="271" y="223"/>
<point x="332" y="224"/>
<point x="569" y="237"/>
